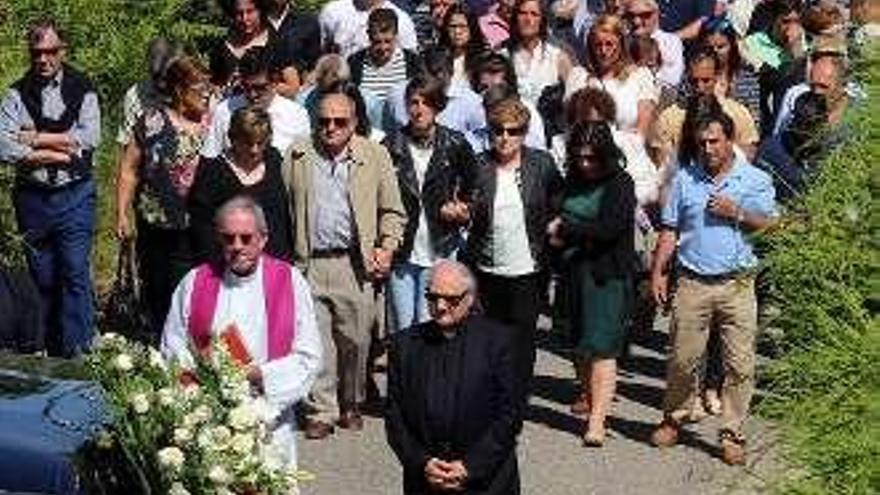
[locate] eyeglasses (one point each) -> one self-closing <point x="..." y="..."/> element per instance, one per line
<point x="229" y="238"/>
<point x="498" y="131"/>
<point x="336" y="121"/>
<point x="52" y="51"/>
<point x="451" y="299"/>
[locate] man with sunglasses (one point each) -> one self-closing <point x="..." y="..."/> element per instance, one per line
<point x="261" y="307"/>
<point x="49" y="129"/>
<point x="289" y="119"/>
<point x="348" y="220"/>
<point x="643" y="17"/>
<point x="451" y="411"/>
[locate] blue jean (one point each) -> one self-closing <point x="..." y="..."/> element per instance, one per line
<point x="406" y="295"/>
<point x="58" y="227"/>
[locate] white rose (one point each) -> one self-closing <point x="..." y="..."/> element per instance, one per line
<point x="191" y="391"/>
<point x="205" y="440"/>
<point x="242" y="444"/>
<point x="166" y="397"/>
<point x="156" y="360"/>
<point x="219" y="476"/>
<point x="171" y="458"/>
<point x="177" y="489"/>
<point x="202" y="413"/>
<point x="221" y="435"/>
<point x="140" y="403"/>
<point x="182" y="435"/>
<point x="123" y="362"/>
<point x="243" y="417"/>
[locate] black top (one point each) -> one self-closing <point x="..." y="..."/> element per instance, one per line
<point x="298" y="38"/>
<point x="216" y="183"/>
<point x="606" y="240"/>
<point x="452" y="398"/>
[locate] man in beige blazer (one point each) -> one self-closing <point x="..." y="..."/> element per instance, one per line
<point x="348" y="220"/>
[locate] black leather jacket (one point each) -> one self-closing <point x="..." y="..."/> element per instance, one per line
<point x="541" y="187"/>
<point x="452" y="165"/>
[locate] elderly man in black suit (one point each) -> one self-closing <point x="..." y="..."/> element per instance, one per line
<point x="451" y="413"/>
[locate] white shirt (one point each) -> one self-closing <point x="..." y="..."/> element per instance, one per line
<point x="627" y="93"/>
<point x="511" y="254"/>
<point x="241" y="302"/>
<point x="288" y="118"/>
<point x="422" y="250"/>
<point x="345" y="25"/>
<point x="672" y="56"/>
<point x="536" y="69"/>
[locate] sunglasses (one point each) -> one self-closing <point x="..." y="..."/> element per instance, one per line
<point x="36" y="52"/>
<point x="229" y="239"/>
<point x="336" y="121"/>
<point x="451" y="299"/>
<point x="498" y="131"/>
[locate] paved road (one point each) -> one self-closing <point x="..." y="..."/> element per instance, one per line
<point x="552" y="461"/>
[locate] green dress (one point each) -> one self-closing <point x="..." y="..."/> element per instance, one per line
<point x="599" y="309"/>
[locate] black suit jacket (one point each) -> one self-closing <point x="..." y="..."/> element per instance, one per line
<point x="484" y="420"/>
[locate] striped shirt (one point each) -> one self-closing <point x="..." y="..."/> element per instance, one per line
<point x="378" y="81"/>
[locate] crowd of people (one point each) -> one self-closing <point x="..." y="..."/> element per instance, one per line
<point x="440" y="173"/>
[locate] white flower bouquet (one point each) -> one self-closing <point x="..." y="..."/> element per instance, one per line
<point x="199" y="431"/>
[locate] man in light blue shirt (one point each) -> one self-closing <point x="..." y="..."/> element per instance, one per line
<point x="715" y="203"/>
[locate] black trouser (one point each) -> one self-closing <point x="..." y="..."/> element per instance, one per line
<point x="515" y="301"/>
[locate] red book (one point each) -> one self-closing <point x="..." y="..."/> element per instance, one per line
<point x="234" y="343"/>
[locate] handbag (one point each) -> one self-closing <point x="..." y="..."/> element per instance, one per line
<point x="123" y="310"/>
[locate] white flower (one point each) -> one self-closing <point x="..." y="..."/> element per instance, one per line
<point x="219" y="476"/>
<point x="123" y="362"/>
<point x="177" y="489"/>
<point x="191" y="391"/>
<point x="243" y="417"/>
<point x="182" y="435"/>
<point x="140" y="403"/>
<point x="242" y="444"/>
<point x="104" y="439"/>
<point x="155" y="359"/>
<point x="202" y="413"/>
<point x="221" y="435"/>
<point x="205" y="440"/>
<point x="166" y="397"/>
<point x="171" y="458"/>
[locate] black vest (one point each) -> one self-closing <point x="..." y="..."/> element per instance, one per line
<point x="74" y="87"/>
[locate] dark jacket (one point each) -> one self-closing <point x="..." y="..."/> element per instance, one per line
<point x="607" y="240"/>
<point x="541" y="187"/>
<point x="358" y="59"/>
<point x="452" y="166"/>
<point x="299" y="37"/>
<point x="482" y="419"/>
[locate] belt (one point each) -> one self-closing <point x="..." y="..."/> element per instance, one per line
<point x="718" y="278"/>
<point x="331" y="253"/>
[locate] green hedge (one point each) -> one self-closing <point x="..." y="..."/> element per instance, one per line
<point x="824" y="262"/>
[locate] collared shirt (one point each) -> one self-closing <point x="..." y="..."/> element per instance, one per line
<point x="288" y="118"/>
<point x="672" y="55"/>
<point x="14" y="118"/>
<point x="710" y="245"/>
<point x="344" y="25"/>
<point x="331" y="217"/>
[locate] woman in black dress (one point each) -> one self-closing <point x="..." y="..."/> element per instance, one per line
<point x="595" y="231"/>
<point x="251" y="167"/>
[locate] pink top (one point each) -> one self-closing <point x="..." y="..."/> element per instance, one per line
<point x="494" y="28"/>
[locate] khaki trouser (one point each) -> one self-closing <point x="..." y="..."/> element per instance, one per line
<point x="344" y="308"/>
<point x="731" y="305"/>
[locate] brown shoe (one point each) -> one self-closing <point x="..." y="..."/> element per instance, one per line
<point x="351" y="420"/>
<point x="733" y="451"/>
<point x="666" y="434"/>
<point x="317" y="430"/>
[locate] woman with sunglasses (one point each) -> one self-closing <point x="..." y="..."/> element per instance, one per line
<point x="515" y="194"/>
<point x="251" y="167"/>
<point x="595" y="233"/>
<point x="156" y="173"/>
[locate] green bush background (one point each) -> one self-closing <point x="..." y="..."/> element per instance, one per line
<point x="825" y="391"/>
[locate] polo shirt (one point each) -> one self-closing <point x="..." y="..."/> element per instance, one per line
<point x="710" y="245"/>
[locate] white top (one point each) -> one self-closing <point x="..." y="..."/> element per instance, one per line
<point x="511" y="255"/>
<point x="288" y="118"/>
<point x="459" y="71"/>
<point x="536" y="69"/>
<point x="422" y="250"/>
<point x="671" y="55"/>
<point x="344" y="25"/>
<point x="627" y="93"/>
<point x="241" y="302"/>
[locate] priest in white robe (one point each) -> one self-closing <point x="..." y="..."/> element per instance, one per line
<point x="266" y="301"/>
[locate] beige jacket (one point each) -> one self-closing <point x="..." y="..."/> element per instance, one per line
<point x="378" y="213"/>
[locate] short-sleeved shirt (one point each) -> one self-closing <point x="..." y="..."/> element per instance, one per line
<point x="345" y="25"/>
<point x="627" y="93"/>
<point x="711" y="245"/>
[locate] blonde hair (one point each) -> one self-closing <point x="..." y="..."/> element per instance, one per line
<point x="613" y="25"/>
<point x="507" y="111"/>
<point x="250" y="125"/>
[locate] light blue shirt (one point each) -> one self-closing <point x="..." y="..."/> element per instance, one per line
<point x="708" y="244"/>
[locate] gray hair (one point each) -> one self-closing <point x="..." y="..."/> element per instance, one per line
<point x="331" y="68"/>
<point x="242" y="203"/>
<point x="460" y="268"/>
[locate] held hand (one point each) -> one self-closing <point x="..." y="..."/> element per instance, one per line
<point x="255" y="377"/>
<point x="723" y="206"/>
<point x="660" y="288"/>
<point x="123" y="228"/>
<point x="27" y="137"/>
<point x="381" y="262"/>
